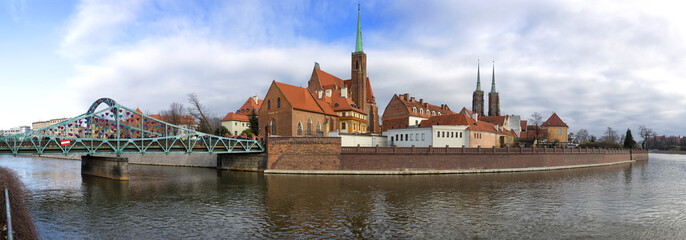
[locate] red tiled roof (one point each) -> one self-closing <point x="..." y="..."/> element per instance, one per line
<point x="183" y="119"/>
<point x="467" y="111"/>
<point x="328" y="81"/>
<point x="410" y="103"/>
<point x="463" y="119"/>
<point x="498" y="120"/>
<point x="554" y="121"/>
<point x="249" y="105"/>
<point x="302" y="99"/>
<point x="235" y="117"/>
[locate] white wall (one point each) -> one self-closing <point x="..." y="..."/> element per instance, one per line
<point x="235" y="127"/>
<point x="352" y="140"/>
<point x="413" y="121"/>
<point x="455" y="136"/>
<point x="413" y="136"/>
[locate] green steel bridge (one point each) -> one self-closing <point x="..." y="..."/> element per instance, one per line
<point x="119" y="130"/>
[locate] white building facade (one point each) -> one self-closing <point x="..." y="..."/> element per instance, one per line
<point x="437" y="136"/>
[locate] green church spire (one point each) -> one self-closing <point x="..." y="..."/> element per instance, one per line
<point x="358" y="43"/>
<point x="493" y="82"/>
<point x="478" y="76"/>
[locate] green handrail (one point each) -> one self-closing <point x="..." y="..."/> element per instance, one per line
<point x="9" y="215"/>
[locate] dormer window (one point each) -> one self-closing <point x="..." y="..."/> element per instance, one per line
<point x="421" y="111"/>
<point x="414" y="109"/>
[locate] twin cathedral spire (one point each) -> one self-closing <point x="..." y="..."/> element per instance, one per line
<point x="478" y="96"/>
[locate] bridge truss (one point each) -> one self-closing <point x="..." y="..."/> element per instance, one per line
<point x="119" y="130"/>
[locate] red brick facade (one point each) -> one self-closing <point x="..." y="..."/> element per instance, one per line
<point x="303" y="153"/>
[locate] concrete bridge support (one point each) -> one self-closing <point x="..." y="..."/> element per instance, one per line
<point x="116" y="168"/>
<point x="254" y="162"/>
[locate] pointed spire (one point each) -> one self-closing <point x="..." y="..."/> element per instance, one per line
<point x="478" y="75"/>
<point x="493" y="82"/>
<point x="358" y="42"/>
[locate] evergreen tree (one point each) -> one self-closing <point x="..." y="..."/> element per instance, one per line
<point x="629" y="140"/>
<point x="254" y="124"/>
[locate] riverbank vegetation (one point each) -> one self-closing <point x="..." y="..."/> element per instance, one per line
<point x="22" y="225"/>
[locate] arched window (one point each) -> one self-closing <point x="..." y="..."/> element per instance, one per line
<point x="357" y="65"/>
<point x="309" y="127"/>
<point x="421" y="111"/>
<point x="278" y="102"/>
<point x="269" y="104"/>
<point x="319" y="127"/>
<point x="272" y="125"/>
<point x="414" y="109"/>
<point x="300" y="129"/>
<point x="433" y="113"/>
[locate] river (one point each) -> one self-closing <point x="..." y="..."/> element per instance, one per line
<point x="643" y="200"/>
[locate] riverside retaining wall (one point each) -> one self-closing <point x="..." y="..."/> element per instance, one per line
<point x="325" y="156"/>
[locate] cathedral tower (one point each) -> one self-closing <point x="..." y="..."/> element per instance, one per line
<point x="493" y="98"/>
<point x="478" y="97"/>
<point x="358" y="68"/>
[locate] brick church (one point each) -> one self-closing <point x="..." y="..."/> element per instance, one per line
<point x="328" y="103"/>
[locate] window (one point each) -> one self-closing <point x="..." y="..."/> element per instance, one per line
<point x="278" y="102"/>
<point x="411" y="137"/>
<point x="439" y="113"/>
<point x="237" y="111"/>
<point x="272" y="125"/>
<point x="309" y="127"/>
<point x="460" y="135"/>
<point x="422" y="136"/>
<point x="235" y="132"/>
<point x="416" y="122"/>
<point x="269" y="104"/>
<point x="421" y="111"/>
<point x="319" y="127"/>
<point x="235" y="124"/>
<point x="416" y="136"/>
<point x="433" y="113"/>
<point x="559" y="131"/>
<point x="357" y="65"/>
<point x="300" y="129"/>
<point x="396" y="137"/>
<point x="342" y="125"/>
<point x="406" y="137"/>
<point x="414" y="109"/>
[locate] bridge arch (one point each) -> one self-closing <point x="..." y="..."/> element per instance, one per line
<point x="97" y="103"/>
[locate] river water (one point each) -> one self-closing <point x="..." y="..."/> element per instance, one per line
<point x="643" y="200"/>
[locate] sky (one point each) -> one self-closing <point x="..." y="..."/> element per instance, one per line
<point x="597" y="64"/>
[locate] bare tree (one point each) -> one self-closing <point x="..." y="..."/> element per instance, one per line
<point x="610" y="136"/>
<point x="582" y="136"/>
<point x="536" y="119"/>
<point x="645" y="133"/>
<point x="206" y="123"/>
<point x="173" y="115"/>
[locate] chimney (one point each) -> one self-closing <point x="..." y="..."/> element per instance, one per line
<point x="254" y="98"/>
<point x="411" y="99"/>
<point x="344" y="93"/>
<point x="421" y="101"/>
<point x="407" y="96"/>
<point x="328" y="92"/>
<point x="320" y="93"/>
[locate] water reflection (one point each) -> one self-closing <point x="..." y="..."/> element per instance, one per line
<point x="638" y="200"/>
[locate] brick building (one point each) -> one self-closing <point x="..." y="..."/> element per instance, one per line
<point x="555" y="129"/>
<point x="478" y="96"/>
<point x="404" y="111"/>
<point x="358" y="87"/>
<point x="288" y="110"/>
<point x="250" y="104"/>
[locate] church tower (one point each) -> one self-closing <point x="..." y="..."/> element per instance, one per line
<point x="358" y="73"/>
<point x="478" y="97"/>
<point x="493" y="98"/>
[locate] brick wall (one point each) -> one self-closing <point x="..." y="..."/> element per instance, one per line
<point x="402" y="159"/>
<point x="303" y="153"/>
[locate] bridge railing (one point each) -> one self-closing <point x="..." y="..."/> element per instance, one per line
<point x="120" y="130"/>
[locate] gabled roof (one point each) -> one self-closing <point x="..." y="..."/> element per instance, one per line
<point x="250" y="104"/>
<point x="327" y="80"/>
<point x="235" y="117"/>
<point x="466" y="111"/>
<point x="302" y="99"/>
<point x="522" y="124"/>
<point x="554" y="121"/>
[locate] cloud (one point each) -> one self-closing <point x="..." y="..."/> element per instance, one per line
<point x="614" y="64"/>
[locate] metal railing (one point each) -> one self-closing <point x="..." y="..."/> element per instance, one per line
<point x="9" y="215"/>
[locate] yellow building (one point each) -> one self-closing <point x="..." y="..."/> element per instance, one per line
<point x="555" y="129"/>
